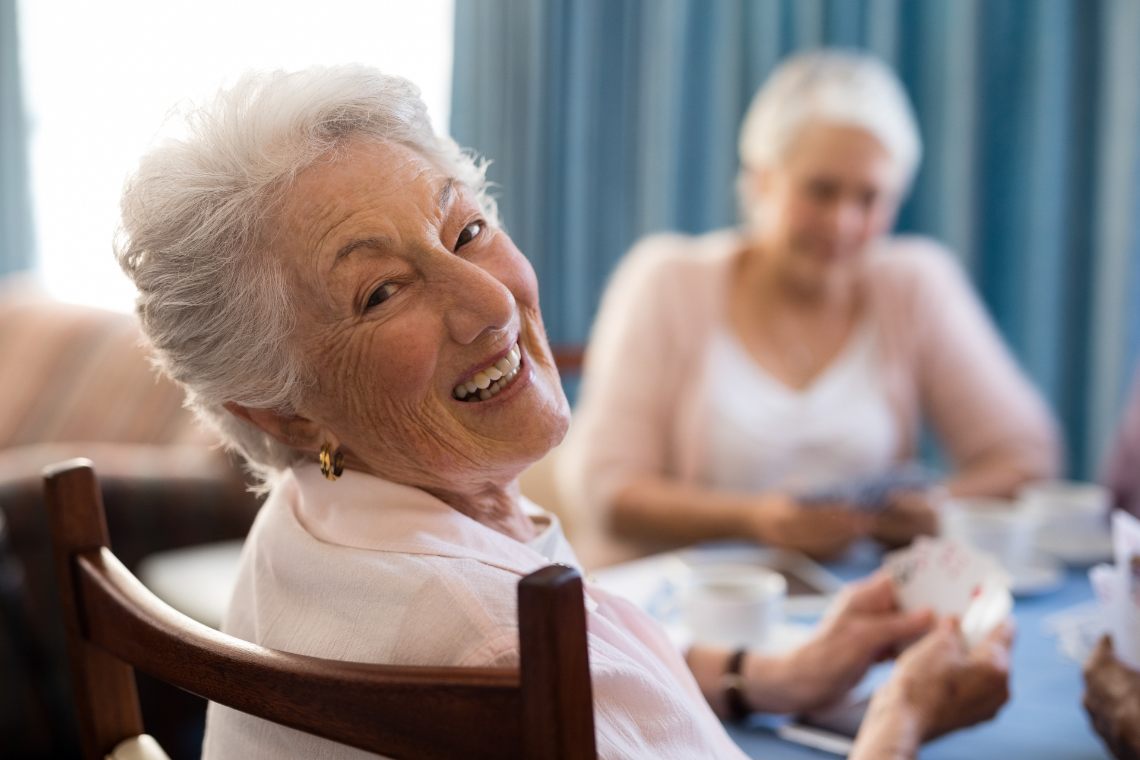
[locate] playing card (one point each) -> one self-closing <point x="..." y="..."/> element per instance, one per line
<point x="1120" y="611"/>
<point x="1078" y="629"/>
<point x="1117" y="588"/>
<point x="942" y="575"/>
<point x="1126" y="548"/>
<point x="871" y="493"/>
<point x="985" y="613"/>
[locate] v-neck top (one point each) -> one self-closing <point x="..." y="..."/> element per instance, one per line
<point x="762" y="434"/>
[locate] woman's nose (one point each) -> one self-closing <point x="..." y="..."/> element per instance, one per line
<point x="847" y="219"/>
<point x="476" y="302"/>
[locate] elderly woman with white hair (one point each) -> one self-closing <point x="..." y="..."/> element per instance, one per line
<point x="743" y="383"/>
<point x="327" y="279"/>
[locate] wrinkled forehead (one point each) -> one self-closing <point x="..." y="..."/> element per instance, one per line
<point x="364" y="184"/>
<point x="360" y="172"/>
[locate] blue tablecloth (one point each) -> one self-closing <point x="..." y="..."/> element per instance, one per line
<point x="1043" y="720"/>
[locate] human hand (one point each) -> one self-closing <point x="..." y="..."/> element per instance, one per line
<point x="863" y="627"/>
<point x="944" y="686"/>
<point x="822" y="532"/>
<point x="1112" y="700"/>
<point x="909" y="514"/>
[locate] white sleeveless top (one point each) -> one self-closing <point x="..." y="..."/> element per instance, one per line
<point x="765" y="436"/>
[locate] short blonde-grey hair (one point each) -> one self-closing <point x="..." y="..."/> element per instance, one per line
<point x="830" y="86"/>
<point x="212" y="299"/>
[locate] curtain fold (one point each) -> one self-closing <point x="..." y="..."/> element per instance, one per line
<point x="16" y="252"/>
<point x="607" y="120"/>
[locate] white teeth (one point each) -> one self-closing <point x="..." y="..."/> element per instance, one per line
<point x="488" y="382"/>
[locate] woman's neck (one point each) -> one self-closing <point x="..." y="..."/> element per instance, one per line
<point x="495" y="506"/>
<point x="773" y="286"/>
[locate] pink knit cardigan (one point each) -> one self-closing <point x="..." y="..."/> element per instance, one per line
<point x="639" y="410"/>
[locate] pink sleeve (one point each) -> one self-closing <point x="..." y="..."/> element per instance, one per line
<point x="978" y="400"/>
<point x="1122" y="473"/>
<point x="621" y="425"/>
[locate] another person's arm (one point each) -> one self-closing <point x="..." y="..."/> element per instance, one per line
<point x="862" y="628"/>
<point x="1112" y="699"/>
<point x="937" y="685"/>
<point x="993" y="423"/>
<point x="676" y="513"/>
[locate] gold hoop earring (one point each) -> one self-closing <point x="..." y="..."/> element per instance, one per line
<point x="332" y="462"/>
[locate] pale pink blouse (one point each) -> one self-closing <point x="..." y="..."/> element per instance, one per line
<point x="366" y="570"/>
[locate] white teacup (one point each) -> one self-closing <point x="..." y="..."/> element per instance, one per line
<point x="733" y="605"/>
<point x="1002" y="528"/>
<point x="1067" y="512"/>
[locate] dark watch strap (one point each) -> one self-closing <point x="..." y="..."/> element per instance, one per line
<point x="738" y="708"/>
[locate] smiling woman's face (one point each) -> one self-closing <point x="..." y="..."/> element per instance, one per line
<point x="406" y="298"/>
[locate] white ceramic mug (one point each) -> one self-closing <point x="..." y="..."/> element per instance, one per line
<point x="733" y="605"/>
<point x="1001" y="528"/>
<point x="1067" y="512"/>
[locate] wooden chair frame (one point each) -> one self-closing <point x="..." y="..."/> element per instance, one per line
<point x="543" y="710"/>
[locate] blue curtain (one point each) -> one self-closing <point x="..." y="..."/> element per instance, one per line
<point x="606" y="120"/>
<point x="15" y="206"/>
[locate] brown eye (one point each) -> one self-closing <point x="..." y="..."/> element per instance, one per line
<point x="469" y="233"/>
<point x="380" y="295"/>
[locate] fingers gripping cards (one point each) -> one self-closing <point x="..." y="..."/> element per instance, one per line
<point x="1117" y="588"/>
<point x="950" y="578"/>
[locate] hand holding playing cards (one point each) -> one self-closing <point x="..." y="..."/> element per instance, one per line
<point x="822" y="531"/>
<point x="949" y="686"/>
<point x="864" y="627"/>
<point x="908" y="515"/>
<point x="938" y="685"/>
<point x="1112" y="699"/>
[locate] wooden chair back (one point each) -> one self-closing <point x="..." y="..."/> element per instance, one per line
<point x="542" y="710"/>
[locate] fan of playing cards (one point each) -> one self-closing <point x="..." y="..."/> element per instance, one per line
<point x="952" y="579"/>
<point x="1117" y="588"/>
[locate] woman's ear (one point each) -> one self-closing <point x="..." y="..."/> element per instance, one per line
<point x="290" y="429"/>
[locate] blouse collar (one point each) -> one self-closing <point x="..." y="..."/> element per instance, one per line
<point x="366" y="512"/>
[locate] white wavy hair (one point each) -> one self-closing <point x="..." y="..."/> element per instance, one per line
<point x="196" y="234"/>
<point x="830" y="86"/>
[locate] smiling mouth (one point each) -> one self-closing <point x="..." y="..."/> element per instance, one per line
<point x="491" y="380"/>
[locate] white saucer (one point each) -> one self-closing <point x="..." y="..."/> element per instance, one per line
<point x="1039" y="576"/>
<point x="1078" y="550"/>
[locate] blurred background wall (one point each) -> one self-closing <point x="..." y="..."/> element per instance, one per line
<point x="609" y="119"/>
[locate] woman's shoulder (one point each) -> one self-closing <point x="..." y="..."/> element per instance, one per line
<point x="911" y="266"/>
<point x="913" y="256"/>
<point x="678" y="256"/>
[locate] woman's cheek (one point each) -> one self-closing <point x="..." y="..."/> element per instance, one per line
<point x="514" y="270"/>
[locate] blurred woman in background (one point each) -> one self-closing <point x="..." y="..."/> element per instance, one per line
<point x="738" y="384"/>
